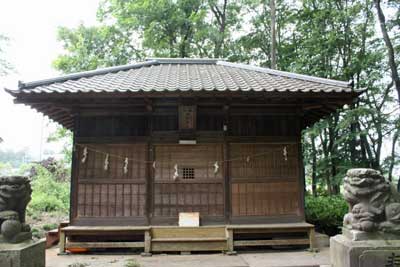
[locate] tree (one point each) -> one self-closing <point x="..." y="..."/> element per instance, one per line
<point x="166" y="28"/>
<point x="389" y="46"/>
<point x="89" y="48"/>
<point x="134" y="29"/>
<point x="5" y="66"/>
<point x="63" y="136"/>
<point x="273" y="33"/>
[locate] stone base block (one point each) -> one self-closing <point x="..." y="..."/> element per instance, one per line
<point x="355" y="235"/>
<point x="26" y="254"/>
<point x="366" y="253"/>
<point x="321" y="241"/>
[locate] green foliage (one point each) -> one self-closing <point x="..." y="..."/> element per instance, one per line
<point x="134" y="29"/>
<point x="14" y="158"/>
<point x="131" y="263"/>
<point x="36" y="233"/>
<point x="93" y="47"/>
<point x="326" y="213"/>
<point x="64" y="136"/>
<point x="47" y="193"/>
<point x="78" y="264"/>
<point x="49" y="226"/>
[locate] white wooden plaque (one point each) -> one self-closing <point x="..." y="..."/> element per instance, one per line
<point x="189" y="219"/>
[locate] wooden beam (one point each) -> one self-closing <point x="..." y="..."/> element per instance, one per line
<point x="112" y="244"/>
<point x="274" y="242"/>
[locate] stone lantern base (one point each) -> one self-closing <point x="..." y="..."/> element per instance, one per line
<point x="26" y="254"/>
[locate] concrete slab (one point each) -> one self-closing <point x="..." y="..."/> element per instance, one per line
<point x="272" y="258"/>
<point x="296" y="258"/>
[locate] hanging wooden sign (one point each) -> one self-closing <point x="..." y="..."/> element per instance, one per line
<point x="187" y="117"/>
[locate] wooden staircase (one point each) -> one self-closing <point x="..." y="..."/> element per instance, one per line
<point x="186" y="239"/>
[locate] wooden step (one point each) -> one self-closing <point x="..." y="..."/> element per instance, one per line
<point x="185" y="239"/>
<point x="273" y="242"/>
<point x="188" y="232"/>
<point x="104" y="245"/>
<point x="181" y="239"/>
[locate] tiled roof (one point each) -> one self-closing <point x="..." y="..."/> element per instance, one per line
<point x="183" y="75"/>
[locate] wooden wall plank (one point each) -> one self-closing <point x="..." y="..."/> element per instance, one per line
<point x="111" y="192"/>
<point x="267" y="184"/>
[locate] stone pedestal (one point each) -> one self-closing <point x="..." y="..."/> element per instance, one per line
<point x="26" y="254"/>
<point x="346" y="252"/>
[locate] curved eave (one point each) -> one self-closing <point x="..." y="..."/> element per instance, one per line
<point x="54" y="104"/>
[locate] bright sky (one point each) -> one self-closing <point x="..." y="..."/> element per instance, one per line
<point x="32" y="29"/>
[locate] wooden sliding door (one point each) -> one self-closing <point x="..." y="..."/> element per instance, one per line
<point x="110" y="193"/>
<point x="186" y="180"/>
<point x="267" y="183"/>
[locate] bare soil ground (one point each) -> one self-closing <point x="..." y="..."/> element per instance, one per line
<point x="44" y="221"/>
<point x="264" y="258"/>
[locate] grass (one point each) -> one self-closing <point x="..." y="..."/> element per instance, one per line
<point x="78" y="264"/>
<point x="49" y="226"/>
<point x="131" y="263"/>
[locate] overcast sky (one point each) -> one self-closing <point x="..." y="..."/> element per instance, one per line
<point x="32" y="29"/>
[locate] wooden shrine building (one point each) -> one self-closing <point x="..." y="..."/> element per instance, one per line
<point x="158" y="139"/>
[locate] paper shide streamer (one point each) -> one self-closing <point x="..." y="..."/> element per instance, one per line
<point x="216" y="167"/>
<point x="126" y="165"/>
<point x="176" y="174"/>
<point x="106" y="162"/>
<point x="84" y="155"/>
<point x="285" y="153"/>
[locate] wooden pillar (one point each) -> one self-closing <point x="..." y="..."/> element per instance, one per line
<point x="227" y="180"/>
<point x="302" y="185"/>
<point x="149" y="165"/>
<point x="147" y="243"/>
<point x="230" y="246"/>
<point x="311" y="236"/>
<point x="62" y="243"/>
<point x="73" y="204"/>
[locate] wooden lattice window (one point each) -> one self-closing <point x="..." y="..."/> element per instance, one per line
<point x="188" y="173"/>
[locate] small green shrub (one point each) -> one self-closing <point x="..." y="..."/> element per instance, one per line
<point x="36" y="233"/>
<point x="78" y="264"/>
<point x="326" y="213"/>
<point x="49" y="226"/>
<point x="131" y="263"/>
<point x="48" y="194"/>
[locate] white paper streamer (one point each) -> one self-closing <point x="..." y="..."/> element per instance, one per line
<point x="285" y="154"/>
<point x="154" y="165"/>
<point x="106" y="162"/>
<point x="84" y="155"/>
<point x="216" y="167"/>
<point x="176" y="174"/>
<point x="126" y="165"/>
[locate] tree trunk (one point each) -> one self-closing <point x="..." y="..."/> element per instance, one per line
<point x="324" y="137"/>
<point x="389" y="46"/>
<point x="314" y="167"/>
<point x="273" y="33"/>
<point x="393" y="155"/>
<point x="220" y="16"/>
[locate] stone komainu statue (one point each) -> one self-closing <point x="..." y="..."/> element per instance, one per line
<point x="374" y="203"/>
<point x="15" y="194"/>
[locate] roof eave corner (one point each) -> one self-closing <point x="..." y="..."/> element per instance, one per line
<point x="11" y="92"/>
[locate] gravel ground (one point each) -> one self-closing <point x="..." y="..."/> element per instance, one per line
<point x="265" y="258"/>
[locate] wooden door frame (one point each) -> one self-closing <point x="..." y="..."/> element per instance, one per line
<point x="170" y="220"/>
